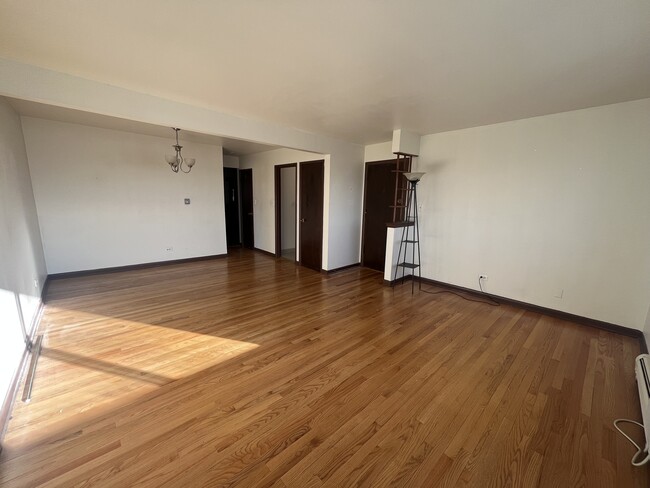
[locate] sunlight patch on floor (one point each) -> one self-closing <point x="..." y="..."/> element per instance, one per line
<point x="94" y="363"/>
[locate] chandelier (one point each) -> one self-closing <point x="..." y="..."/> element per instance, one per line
<point x="176" y="161"/>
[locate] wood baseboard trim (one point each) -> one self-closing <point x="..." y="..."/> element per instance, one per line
<point x="599" y="324"/>
<point x="8" y="403"/>
<point x="398" y="281"/>
<point x="265" y="252"/>
<point x="130" y="267"/>
<point x="342" y="268"/>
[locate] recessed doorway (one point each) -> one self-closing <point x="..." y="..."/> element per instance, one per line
<point x="231" y="205"/>
<point x="379" y="190"/>
<point x="286" y="185"/>
<point x="247" y="206"/>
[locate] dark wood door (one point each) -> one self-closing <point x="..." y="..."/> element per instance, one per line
<point x="379" y="194"/>
<point x="231" y="205"/>
<point x="312" y="180"/>
<point x="246" y="182"/>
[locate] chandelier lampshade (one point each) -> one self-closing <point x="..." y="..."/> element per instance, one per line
<point x="176" y="161"/>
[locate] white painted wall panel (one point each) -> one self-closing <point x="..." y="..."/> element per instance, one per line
<point x="264" y="191"/>
<point x="546" y="207"/>
<point x="22" y="265"/>
<point x="107" y="198"/>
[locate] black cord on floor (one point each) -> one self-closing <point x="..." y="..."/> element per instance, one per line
<point x="489" y="297"/>
<point x="491" y="301"/>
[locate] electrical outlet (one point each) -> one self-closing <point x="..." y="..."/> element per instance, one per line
<point x="482" y="277"/>
<point x="36" y="283"/>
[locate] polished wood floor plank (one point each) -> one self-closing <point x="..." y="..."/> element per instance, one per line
<point x="253" y="372"/>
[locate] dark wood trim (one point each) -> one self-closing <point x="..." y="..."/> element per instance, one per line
<point x="322" y="231"/>
<point x="9" y="399"/>
<point x="278" y="205"/>
<point x="398" y="281"/>
<point x="278" y="211"/>
<point x="363" y="210"/>
<point x="579" y="319"/>
<point x="241" y="206"/>
<point x="268" y="253"/>
<point x="397" y="225"/>
<point x="130" y="267"/>
<point x="342" y="268"/>
<point x="399" y="211"/>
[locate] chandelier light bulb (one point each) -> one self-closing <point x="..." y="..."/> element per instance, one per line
<point x="176" y="161"/>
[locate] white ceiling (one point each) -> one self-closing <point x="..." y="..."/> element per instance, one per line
<point x="349" y="69"/>
<point x="233" y="147"/>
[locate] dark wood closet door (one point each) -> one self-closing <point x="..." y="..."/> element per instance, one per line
<point x="379" y="194"/>
<point x="312" y="179"/>
<point x="231" y="205"/>
<point x="246" y="181"/>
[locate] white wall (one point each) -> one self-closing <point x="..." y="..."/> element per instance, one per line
<point x="27" y="82"/>
<point x="378" y="152"/>
<point x="546" y="207"/>
<point x="341" y="205"/>
<point x="107" y="198"/>
<point x="343" y="165"/>
<point x="264" y="191"/>
<point x="343" y="199"/>
<point x="230" y="161"/>
<point x="22" y="266"/>
<point x="288" y="186"/>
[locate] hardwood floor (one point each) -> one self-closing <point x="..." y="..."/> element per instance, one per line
<point x="251" y="371"/>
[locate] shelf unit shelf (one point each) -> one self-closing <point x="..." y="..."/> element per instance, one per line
<point x="408" y="256"/>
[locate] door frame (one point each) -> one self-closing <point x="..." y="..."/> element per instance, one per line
<point x="322" y="233"/>
<point x="239" y="212"/>
<point x="278" y="209"/>
<point x="242" y="210"/>
<point x="365" y="190"/>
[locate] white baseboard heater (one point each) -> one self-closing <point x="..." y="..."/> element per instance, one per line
<point x="642" y="370"/>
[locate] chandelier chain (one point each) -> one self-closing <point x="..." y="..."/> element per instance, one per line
<point x="177" y="161"/>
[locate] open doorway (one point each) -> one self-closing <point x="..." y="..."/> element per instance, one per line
<point x="247" y="206"/>
<point x="231" y="205"/>
<point x="286" y="185"/>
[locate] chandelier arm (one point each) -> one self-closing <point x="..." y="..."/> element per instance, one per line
<point x="177" y="165"/>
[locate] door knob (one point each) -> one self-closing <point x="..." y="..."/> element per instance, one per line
<point x="302" y="221"/>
